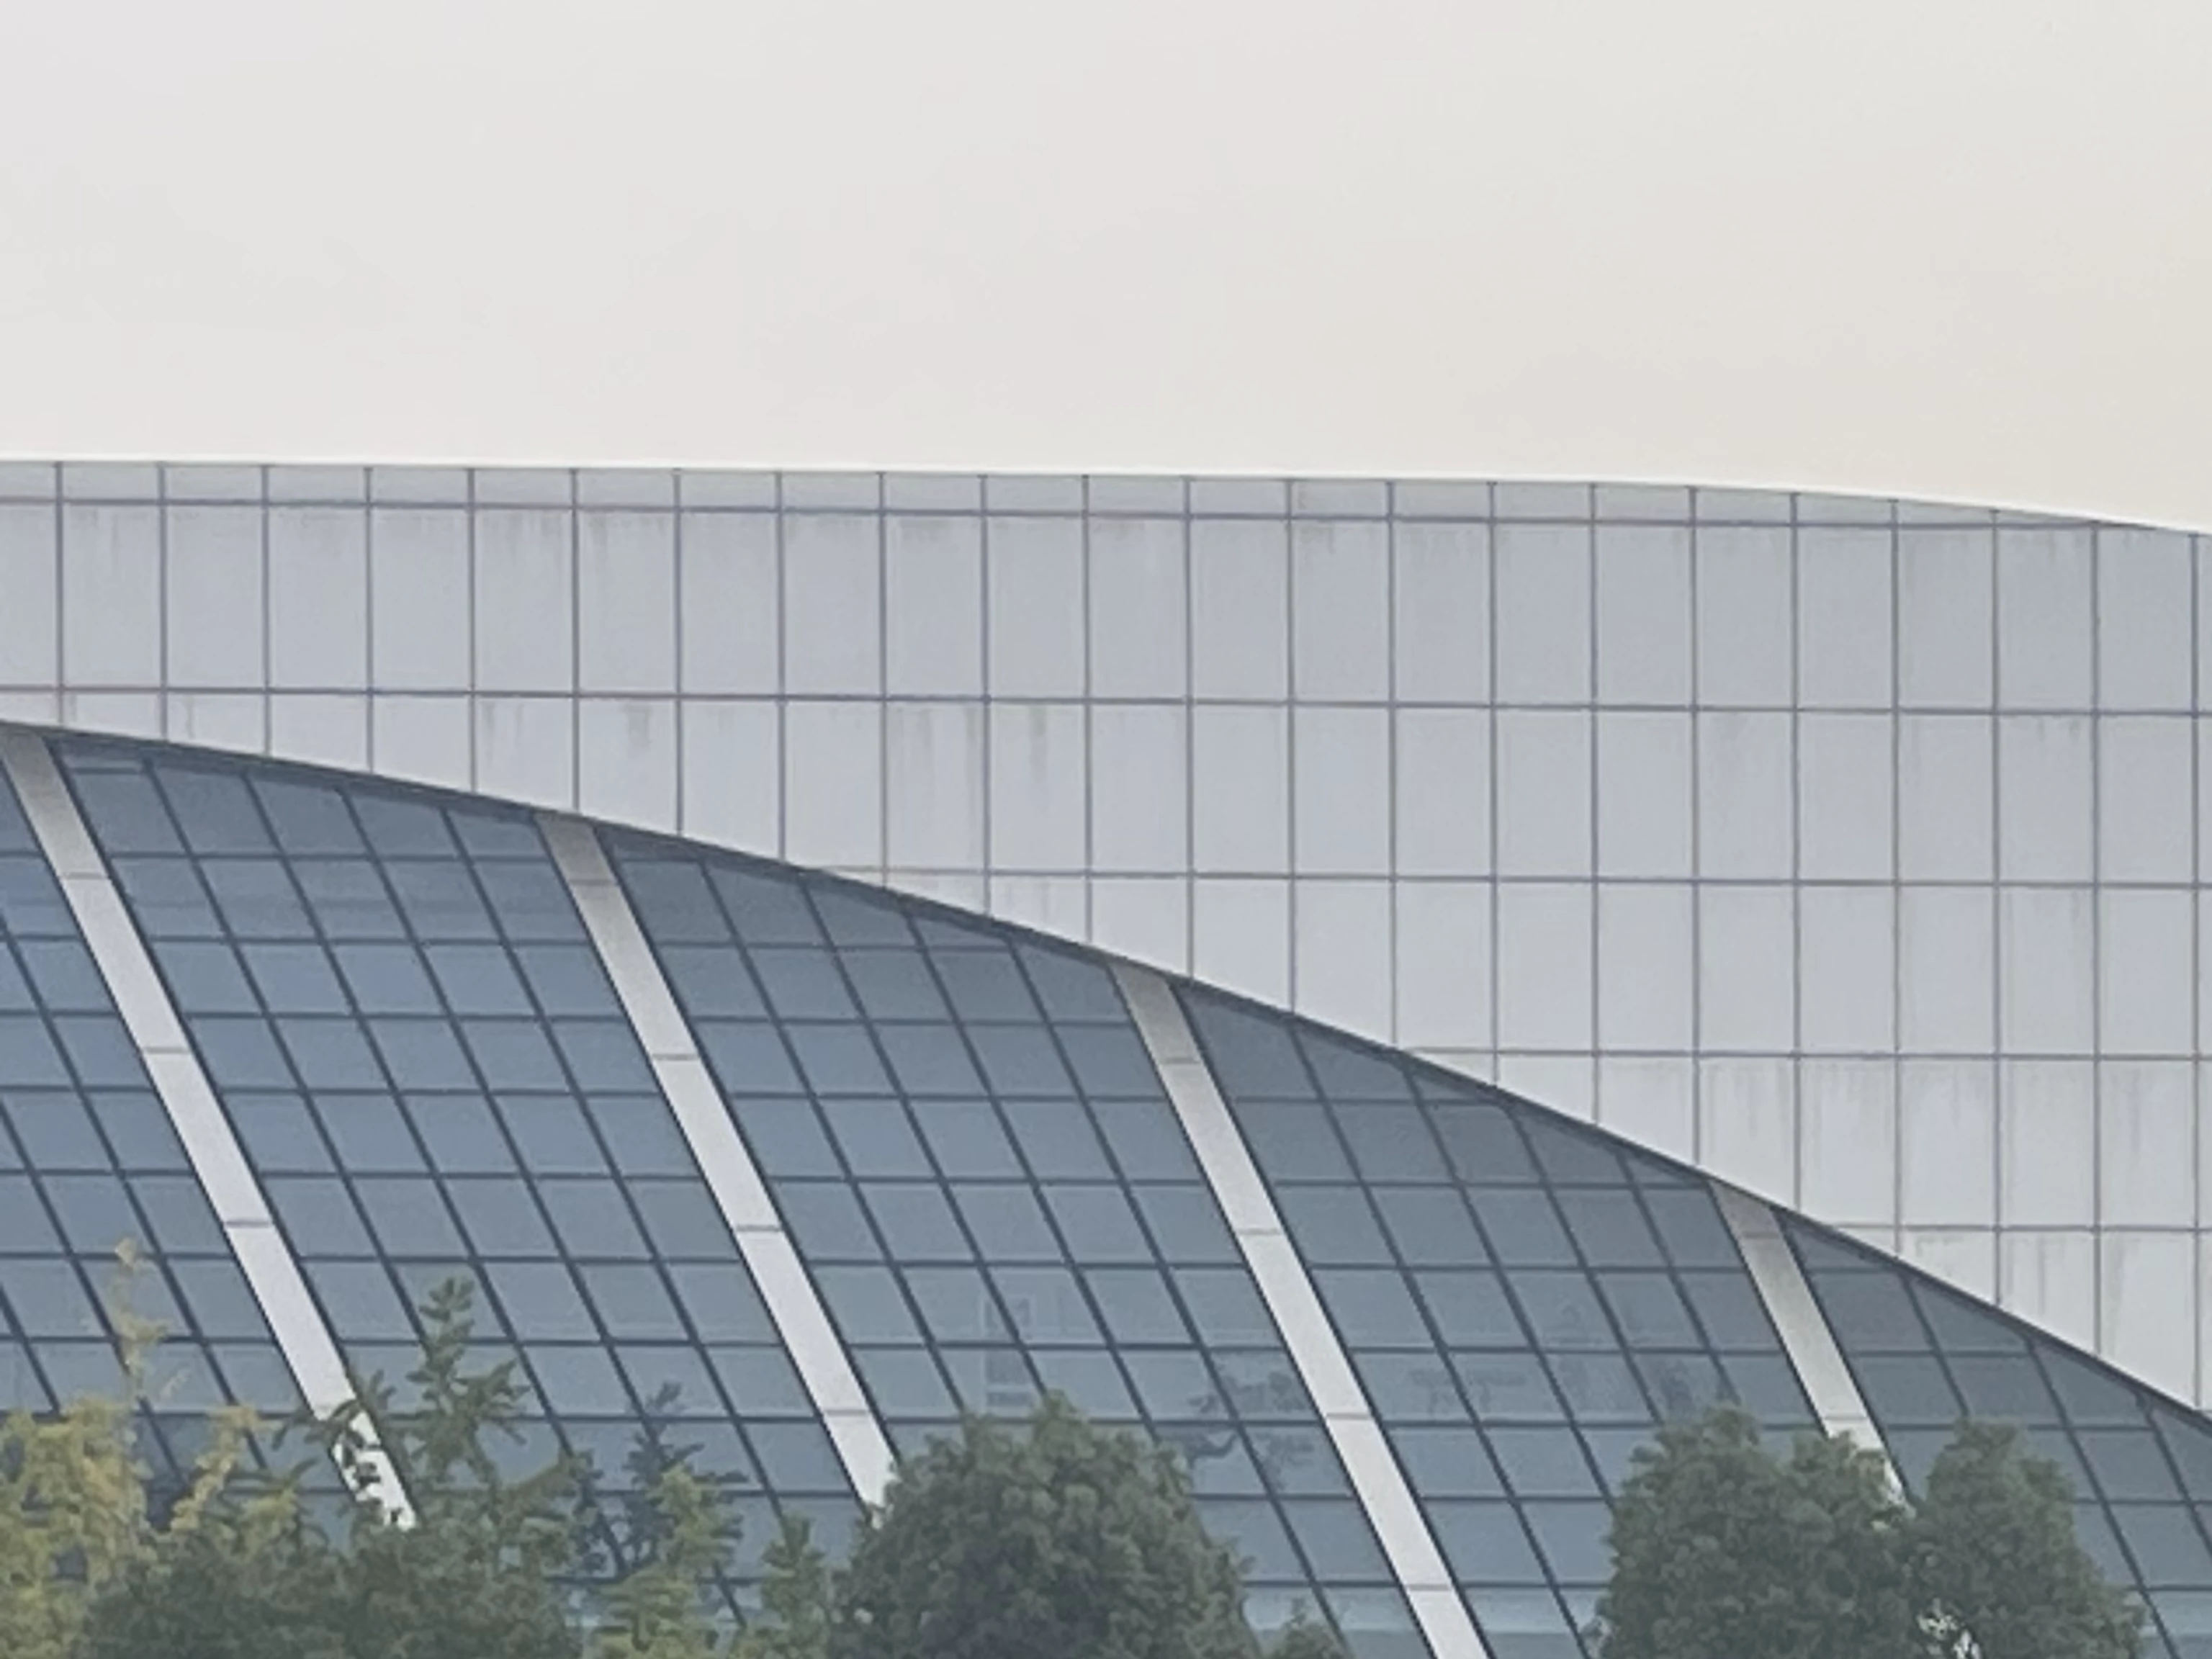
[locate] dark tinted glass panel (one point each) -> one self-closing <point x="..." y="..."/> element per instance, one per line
<point x="964" y="1130"/>
<point x="430" y="1073"/>
<point x="967" y="1140"/>
<point x="100" y="1211"/>
<point x="1523" y="1300"/>
<point x="1924" y="1354"/>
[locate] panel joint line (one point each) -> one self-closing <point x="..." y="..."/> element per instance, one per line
<point x="1808" y="1339"/>
<point x="818" y="1353"/>
<point x="1323" y="1363"/>
<point x="210" y="1144"/>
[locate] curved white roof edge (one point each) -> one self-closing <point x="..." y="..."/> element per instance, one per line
<point x="2055" y="505"/>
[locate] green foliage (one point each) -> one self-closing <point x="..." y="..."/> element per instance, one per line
<point x="797" y="1600"/>
<point x="74" y="1515"/>
<point x="236" y="1586"/>
<point x="1060" y="1540"/>
<point x="657" y="1607"/>
<point x="1306" y="1637"/>
<point x="1055" y="1537"/>
<point x="473" y="1576"/>
<point x="1051" y="1540"/>
<point x="1995" y="1565"/>
<point x="1720" y="1547"/>
<point x="242" y="1572"/>
<point x="72" y="1511"/>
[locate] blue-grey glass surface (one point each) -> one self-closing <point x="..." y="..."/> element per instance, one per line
<point x="1925" y="1356"/>
<point x="970" y="1146"/>
<point x="103" y="1225"/>
<point x="1525" y="1301"/>
<point x="396" y="1002"/>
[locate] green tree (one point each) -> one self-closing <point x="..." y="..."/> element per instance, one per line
<point x="1306" y="1637"/>
<point x="242" y="1572"/>
<point x="1055" y="1537"/>
<point x="76" y="1520"/>
<point x="658" y="1608"/>
<point x="72" y="1512"/>
<point x="1996" y="1565"/>
<point x="1720" y="1548"/>
<point x="1051" y="1537"/>
<point x="237" y="1580"/>
<point x="797" y="1600"/>
<point x="473" y="1575"/>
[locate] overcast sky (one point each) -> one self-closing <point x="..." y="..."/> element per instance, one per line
<point x="1959" y="248"/>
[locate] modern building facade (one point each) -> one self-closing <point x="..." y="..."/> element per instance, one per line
<point x="824" y="951"/>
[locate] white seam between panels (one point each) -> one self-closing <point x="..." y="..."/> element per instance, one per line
<point x="824" y="1368"/>
<point x="1807" y="1339"/>
<point x="1323" y="1363"/>
<point x="209" y="1142"/>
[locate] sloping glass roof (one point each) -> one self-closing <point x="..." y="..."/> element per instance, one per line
<point x="427" y="1067"/>
<point x="976" y="1158"/>
<point x="102" y="1223"/>
<point x="1525" y="1299"/>
<point x="969" y="1145"/>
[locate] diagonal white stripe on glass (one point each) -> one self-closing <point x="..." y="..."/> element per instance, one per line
<point x="824" y="1368"/>
<point x="209" y="1142"/>
<point x="1803" y="1328"/>
<point x="1320" y="1357"/>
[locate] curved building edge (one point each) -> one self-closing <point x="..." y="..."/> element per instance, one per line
<point x="920" y="472"/>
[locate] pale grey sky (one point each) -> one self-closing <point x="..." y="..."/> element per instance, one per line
<point x="1950" y="247"/>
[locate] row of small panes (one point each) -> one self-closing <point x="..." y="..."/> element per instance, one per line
<point x="211" y="809"/>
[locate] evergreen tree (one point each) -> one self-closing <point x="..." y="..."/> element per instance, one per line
<point x="1056" y="1539"/>
<point x="239" y="1581"/>
<point x="1053" y="1538"/>
<point x="242" y="1572"/>
<point x="76" y="1526"/>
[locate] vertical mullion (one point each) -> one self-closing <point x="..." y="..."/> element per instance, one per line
<point x="795" y="1307"/>
<point x="1277" y="1266"/>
